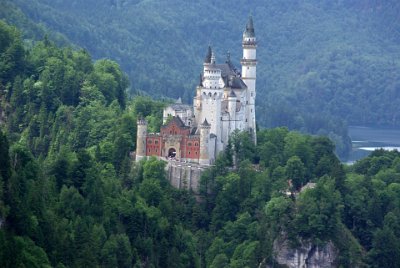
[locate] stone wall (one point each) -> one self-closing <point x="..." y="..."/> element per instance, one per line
<point x="184" y="175"/>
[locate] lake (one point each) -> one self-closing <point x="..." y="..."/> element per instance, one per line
<point x="367" y="139"/>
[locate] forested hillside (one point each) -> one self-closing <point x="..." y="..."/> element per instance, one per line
<point x="70" y="195"/>
<point x="322" y="64"/>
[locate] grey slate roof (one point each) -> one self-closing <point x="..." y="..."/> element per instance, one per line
<point x="207" y="59"/>
<point x="179" y="106"/>
<point x="238" y="83"/>
<point x="177" y="120"/>
<point x="249" y="32"/>
<point x="205" y="123"/>
<point x="231" y="75"/>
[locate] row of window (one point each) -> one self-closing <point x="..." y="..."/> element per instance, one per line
<point x="191" y="144"/>
<point x="196" y="153"/>
<point x="188" y="144"/>
<point x="212" y="71"/>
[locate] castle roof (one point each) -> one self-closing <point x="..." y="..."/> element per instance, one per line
<point x="205" y="123"/>
<point x="177" y="121"/>
<point x="249" y="32"/>
<point x="230" y="75"/>
<point x="238" y="83"/>
<point x="179" y="106"/>
<point x="207" y="59"/>
<point x="227" y="69"/>
<point x="194" y="131"/>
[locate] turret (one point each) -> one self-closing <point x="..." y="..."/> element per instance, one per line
<point x="207" y="59"/>
<point x="141" y="139"/>
<point x="249" y="63"/>
<point x="212" y="78"/>
<point x="204" y="143"/>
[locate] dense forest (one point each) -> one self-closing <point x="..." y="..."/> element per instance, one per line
<point x="322" y="64"/>
<point x="70" y="195"/>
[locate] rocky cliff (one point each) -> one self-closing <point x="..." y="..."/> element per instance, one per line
<point x="307" y="255"/>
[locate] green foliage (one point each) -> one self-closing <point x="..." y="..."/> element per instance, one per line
<point x="319" y="211"/>
<point x="22" y="252"/>
<point x="295" y="171"/>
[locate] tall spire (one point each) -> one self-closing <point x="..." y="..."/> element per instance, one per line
<point x="249" y="32"/>
<point x="207" y="59"/>
<point x="228" y="57"/>
<point x="213" y="58"/>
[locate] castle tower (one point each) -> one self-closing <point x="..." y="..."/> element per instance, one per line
<point x="204" y="143"/>
<point x="211" y="94"/>
<point x="249" y="63"/>
<point x="232" y="111"/>
<point x="141" y="139"/>
<point x="212" y="74"/>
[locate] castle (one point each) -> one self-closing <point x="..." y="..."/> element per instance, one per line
<point x="224" y="102"/>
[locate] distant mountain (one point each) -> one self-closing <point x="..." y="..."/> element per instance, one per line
<point x="321" y="63"/>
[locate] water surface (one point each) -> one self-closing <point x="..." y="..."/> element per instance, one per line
<point x="367" y="139"/>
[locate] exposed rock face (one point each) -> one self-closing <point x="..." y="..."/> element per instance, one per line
<point x="307" y="255"/>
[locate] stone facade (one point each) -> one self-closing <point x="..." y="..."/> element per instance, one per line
<point x="224" y="102"/>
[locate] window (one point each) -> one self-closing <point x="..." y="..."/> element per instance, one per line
<point x="149" y="141"/>
<point x="189" y="144"/>
<point x="156" y="141"/>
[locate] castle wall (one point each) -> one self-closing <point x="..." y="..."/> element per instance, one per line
<point x="184" y="175"/>
<point x="141" y="151"/>
<point x="154" y="145"/>
<point x="192" y="148"/>
<point x="211" y="109"/>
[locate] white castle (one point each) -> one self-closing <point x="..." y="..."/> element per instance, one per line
<point x="224" y="102"/>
